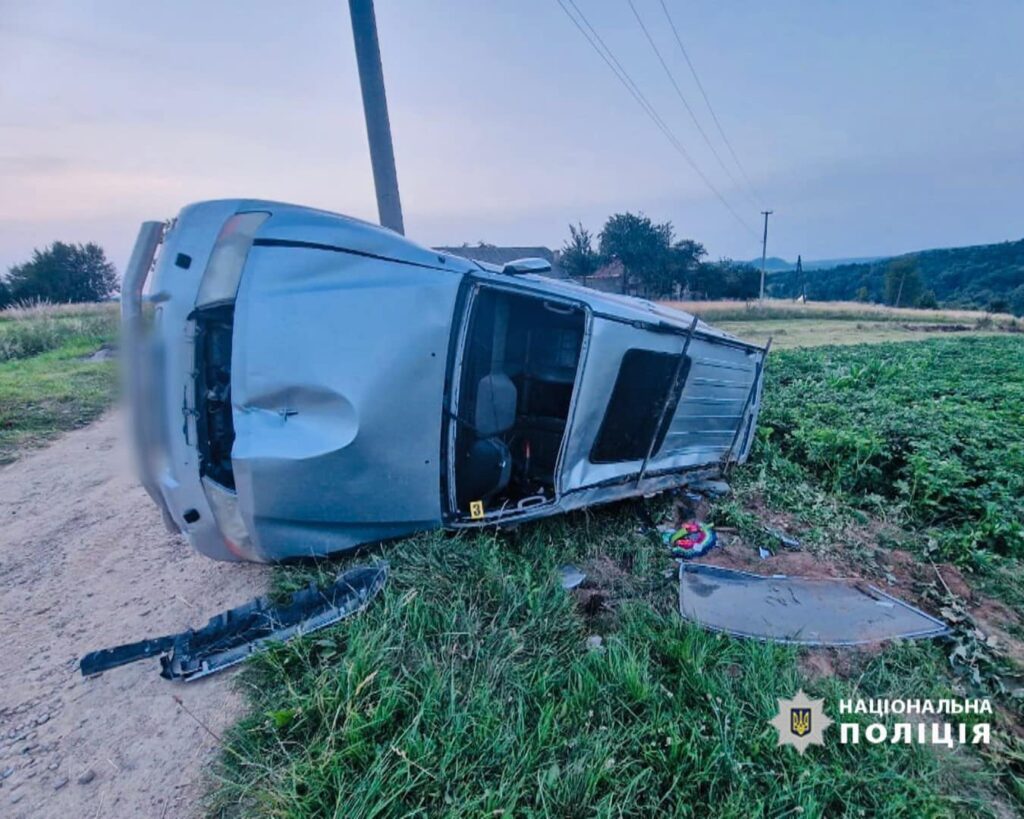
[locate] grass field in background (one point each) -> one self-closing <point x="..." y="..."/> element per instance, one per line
<point x="29" y="331"/>
<point x="789" y="333"/>
<point x="790" y="324"/>
<point x="469" y="687"/>
<point x="731" y="310"/>
<point x="46" y="384"/>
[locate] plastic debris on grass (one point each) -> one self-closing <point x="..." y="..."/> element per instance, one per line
<point x="692" y="540"/>
<point x="233" y="635"/>
<point x="570" y="576"/>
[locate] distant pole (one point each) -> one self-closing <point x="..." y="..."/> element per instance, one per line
<point x="764" y="248"/>
<point x="375" y="109"/>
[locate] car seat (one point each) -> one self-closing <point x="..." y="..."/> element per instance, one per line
<point x="488" y="465"/>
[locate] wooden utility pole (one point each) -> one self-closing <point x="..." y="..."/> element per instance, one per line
<point x="764" y="249"/>
<point x="375" y="109"/>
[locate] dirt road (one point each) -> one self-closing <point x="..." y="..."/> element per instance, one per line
<point x="85" y="563"/>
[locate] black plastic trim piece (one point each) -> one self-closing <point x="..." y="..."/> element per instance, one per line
<point x="233" y="635"/>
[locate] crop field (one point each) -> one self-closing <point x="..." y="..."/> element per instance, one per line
<point x="932" y="434"/>
<point x="814" y="324"/>
<point x="476" y="686"/>
<point x="47" y="385"/>
<point x="771" y="309"/>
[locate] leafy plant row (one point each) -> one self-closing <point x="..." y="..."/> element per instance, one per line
<point x="933" y="430"/>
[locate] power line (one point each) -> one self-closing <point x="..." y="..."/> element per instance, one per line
<point x="707" y="101"/>
<point x="682" y="97"/>
<point x="605" y="53"/>
<point x="634" y="89"/>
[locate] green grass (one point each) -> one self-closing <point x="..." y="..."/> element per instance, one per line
<point x="46" y="394"/>
<point x="818" y="332"/>
<point x="26" y="332"/>
<point x="931" y="433"/>
<point x="785" y="309"/>
<point x="916" y="446"/>
<point x="817" y="324"/>
<point x="468" y="688"/>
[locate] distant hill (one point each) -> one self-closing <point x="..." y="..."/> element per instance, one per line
<point x="981" y="276"/>
<point x="774" y="264"/>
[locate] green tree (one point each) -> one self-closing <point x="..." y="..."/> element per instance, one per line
<point x="960" y="276"/>
<point x="64" y="273"/>
<point x="1017" y="301"/>
<point x="726" y="279"/>
<point x="927" y="300"/>
<point x="680" y="267"/>
<point x="738" y="280"/>
<point x="579" y="259"/>
<point x="639" y="244"/>
<point x="902" y="281"/>
<point x="5" y="294"/>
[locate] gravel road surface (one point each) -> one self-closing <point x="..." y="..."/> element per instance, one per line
<point x="85" y="563"/>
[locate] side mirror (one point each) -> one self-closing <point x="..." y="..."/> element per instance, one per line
<point x="517" y="267"/>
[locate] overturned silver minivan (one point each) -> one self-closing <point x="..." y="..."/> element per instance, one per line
<point x="306" y="382"/>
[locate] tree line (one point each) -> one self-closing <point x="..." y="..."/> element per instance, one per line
<point x="654" y="262"/>
<point x="59" y="274"/>
<point x="990" y="277"/>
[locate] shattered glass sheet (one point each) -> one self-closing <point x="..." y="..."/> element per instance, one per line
<point x="797" y="610"/>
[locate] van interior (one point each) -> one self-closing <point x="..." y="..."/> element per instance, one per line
<point x="519" y="370"/>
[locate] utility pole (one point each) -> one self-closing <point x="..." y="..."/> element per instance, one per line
<point x="764" y="248"/>
<point x="375" y="109"/>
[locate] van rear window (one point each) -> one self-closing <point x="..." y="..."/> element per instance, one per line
<point x="631" y="420"/>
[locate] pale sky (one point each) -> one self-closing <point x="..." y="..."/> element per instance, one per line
<point x="870" y="128"/>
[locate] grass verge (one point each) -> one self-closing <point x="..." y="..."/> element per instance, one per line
<point x="29" y="331"/>
<point x="470" y="690"/>
<point x="47" y="394"/>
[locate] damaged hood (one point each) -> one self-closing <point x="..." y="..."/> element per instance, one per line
<point x="328" y="375"/>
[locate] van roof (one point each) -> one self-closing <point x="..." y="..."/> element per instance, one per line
<point x="312" y="227"/>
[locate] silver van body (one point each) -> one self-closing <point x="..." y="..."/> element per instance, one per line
<point x="304" y="383"/>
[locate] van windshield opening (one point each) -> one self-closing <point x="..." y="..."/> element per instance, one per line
<point x="519" y="372"/>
